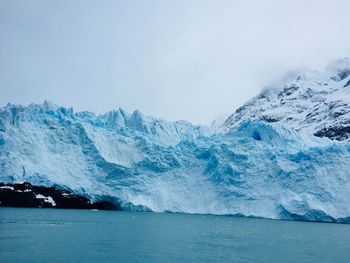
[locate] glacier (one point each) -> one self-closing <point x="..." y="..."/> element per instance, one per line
<point x="256" y="169"/>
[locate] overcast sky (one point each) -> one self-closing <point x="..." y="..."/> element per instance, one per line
<point x="192" y="60"/>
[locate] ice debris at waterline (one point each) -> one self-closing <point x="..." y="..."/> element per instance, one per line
<point x="257" y="169"/>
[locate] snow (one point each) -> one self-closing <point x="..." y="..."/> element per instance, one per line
<point x="252" y="167"/>
<point x="7" y="187"/>
<point x="47" y="199"/>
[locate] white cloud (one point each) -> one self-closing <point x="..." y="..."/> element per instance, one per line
<point x="174" y="59"/>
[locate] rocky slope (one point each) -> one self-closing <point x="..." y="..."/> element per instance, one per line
<point x="314" y="103"/>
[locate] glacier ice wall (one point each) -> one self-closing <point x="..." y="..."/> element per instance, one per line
<point x="258" y="169"/>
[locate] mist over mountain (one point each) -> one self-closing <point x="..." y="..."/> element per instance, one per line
<point x="314" y="103"/>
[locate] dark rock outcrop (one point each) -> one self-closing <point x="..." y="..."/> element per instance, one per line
<point x="27" y="195"/>
<point x="335" y="133"/>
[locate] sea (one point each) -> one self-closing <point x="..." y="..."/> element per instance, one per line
<point x="68" y="235"/>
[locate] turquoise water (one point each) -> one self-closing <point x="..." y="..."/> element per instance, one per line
<point x="53" y="235"/>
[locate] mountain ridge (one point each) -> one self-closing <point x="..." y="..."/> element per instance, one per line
<point x="316" y="103"/>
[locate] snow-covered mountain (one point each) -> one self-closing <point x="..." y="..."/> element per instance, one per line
<point x="314" y="103"/>
<point x="142" y="163"/>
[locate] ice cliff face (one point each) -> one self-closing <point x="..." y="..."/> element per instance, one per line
<point x="255" y="169"/>
<point x="264" y="161"/>
<point x="314" y="103"/>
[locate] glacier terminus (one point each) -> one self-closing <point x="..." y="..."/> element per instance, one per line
<point x="285" y="154"/>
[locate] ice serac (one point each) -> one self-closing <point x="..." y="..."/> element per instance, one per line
<point x="313" y="102"/>
<point x="258" y="168"/>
